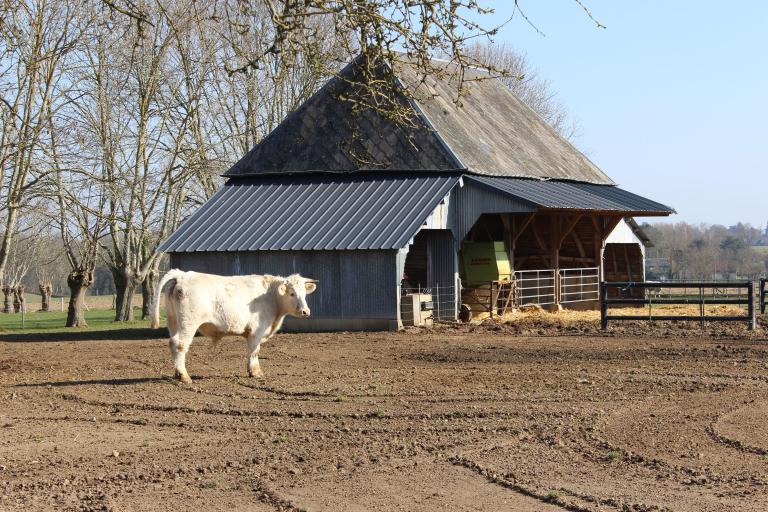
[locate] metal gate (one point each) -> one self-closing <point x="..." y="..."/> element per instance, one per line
<point x="579" y="284"/>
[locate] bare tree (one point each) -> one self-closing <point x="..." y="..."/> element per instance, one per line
<point x="25" y="252"/>
<point x="523" y="80"/>
<point x="81" y="224"/>
<point x="36" y="36"/>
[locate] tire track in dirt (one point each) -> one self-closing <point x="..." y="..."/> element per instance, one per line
<point x="504" y="482"/>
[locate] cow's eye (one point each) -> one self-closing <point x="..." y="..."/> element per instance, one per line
<point x="293" y="294"/>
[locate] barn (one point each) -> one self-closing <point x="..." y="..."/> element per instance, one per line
<point x="475" y="202"/>
<point x="624" y="255"/>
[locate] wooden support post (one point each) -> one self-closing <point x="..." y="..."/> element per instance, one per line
<point x="597" y="237"/>
<point x="579" y="244"/>
<point x="542" y="244"/>
<point x="509" y="244"/>
<point x="568" y="229"/>
<point x="522" y="227"/>
<point x="557" y="241"/>
<point x="604" y="228"/>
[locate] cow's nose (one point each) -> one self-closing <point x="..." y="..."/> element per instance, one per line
<point x="305" y="312"/>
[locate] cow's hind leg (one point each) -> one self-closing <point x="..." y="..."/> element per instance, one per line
<point x="180" y="343"/>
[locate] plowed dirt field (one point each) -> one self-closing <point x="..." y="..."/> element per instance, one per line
<point x="448" y="419"/>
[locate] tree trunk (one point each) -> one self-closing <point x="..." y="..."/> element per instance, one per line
<point x="46" y="290"/>
<point x="125" y="287"/>
<point x="148" y="289"/>
<point x="7" y="299"/>
<point x="78" y="281"/>
<point x="20" y="296"/>
<point x="5" y="246"/>
<point x="16" y="300"/>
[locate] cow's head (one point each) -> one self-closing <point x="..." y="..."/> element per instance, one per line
<point x="294" y="291"/>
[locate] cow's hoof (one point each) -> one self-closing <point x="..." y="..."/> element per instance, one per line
<point x="258" y="374"/>
<point x="183" y="377"/>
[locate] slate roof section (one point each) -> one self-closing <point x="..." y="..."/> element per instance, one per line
<point x="563" y="195"/>
<point x="327" y="134"/>
<point x="490" y="132"/>
<point x="313" y="212"/>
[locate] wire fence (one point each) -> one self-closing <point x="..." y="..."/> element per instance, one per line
<point x="441" y="301"/>
<point x="33" y="303"/>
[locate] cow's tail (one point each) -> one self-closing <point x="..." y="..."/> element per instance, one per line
<point x="169" y="277"/>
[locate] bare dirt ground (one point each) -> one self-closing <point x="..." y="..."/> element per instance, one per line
<point x="457" y="418"/>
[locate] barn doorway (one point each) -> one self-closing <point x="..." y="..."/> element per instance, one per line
<point x="431" y="266"/>
<point x="624" y="262"/>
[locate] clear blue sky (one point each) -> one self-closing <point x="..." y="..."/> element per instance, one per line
<point x="672" y="97"/>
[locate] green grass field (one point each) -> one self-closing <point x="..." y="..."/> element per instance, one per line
<point x="53" y="321"/>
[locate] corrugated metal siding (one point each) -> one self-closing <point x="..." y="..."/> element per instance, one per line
<point x="352" y="284"/>
<point x="467" y="203"/>
<point x="570" y="195"/>
<point x="318" y="212"/>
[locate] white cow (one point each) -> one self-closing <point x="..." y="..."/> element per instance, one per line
<point x="250" y="306"/>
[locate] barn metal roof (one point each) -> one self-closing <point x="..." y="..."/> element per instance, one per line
<point x="565" y="195"/>
<point x="313" y="212"/>
<point x="489" y="131"/>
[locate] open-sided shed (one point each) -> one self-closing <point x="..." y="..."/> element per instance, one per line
<point x="369" y="207"/>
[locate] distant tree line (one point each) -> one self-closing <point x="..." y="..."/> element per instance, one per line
<point x="703" y="251"/>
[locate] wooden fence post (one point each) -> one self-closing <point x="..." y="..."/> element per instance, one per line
<point x="490" y="298"/>
<point x="751" y="306"/>
<point x="603" y="306"/>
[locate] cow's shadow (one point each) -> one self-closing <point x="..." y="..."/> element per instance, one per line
<point x="105" y="382"/>
<point x="96" y="335"/>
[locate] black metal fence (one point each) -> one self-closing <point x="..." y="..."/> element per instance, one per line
<point x="763" y="296"/>
<point x="651" y="296"/>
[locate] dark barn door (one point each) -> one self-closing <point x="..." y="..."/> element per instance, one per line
<point x="431" y="266"/>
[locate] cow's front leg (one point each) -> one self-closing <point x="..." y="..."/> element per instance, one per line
<point x="254" y="344"/>
<point x="179" y="347"/>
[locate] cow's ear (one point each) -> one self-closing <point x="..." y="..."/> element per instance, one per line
<point x="282" y="289"/>
<point x="310" y="287"/>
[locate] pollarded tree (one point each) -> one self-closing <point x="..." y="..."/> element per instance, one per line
<point x="26" y="252"/>
<point x="81" y="223"/>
